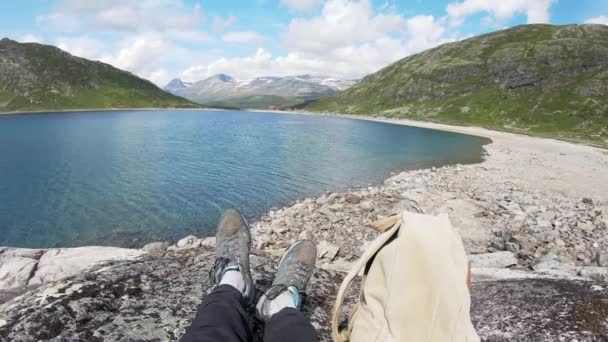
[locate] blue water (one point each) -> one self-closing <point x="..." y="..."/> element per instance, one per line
<point x="128" y="178"/>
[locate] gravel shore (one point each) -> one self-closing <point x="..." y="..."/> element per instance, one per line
<point x="541" y="201"/>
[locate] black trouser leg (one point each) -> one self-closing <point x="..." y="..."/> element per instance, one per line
<point x="221" y="317"/>
<point x="289" y="325"/>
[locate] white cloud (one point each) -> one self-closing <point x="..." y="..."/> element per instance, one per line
<point x="83" y="46"/>
<point x="221" y="24"/>
<point x="349" y="40"/>
<point x="301" y="5"/>
<point x="598" y="20"/>
<point x="124" y="15"/>
<point x="341" y="23"/>
<point x="537" y="11"/>
<point x="29" y="38"/>
<point x="246" y="37"/>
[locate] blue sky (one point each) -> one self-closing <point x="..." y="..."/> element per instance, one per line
<point x="194" y="39"/>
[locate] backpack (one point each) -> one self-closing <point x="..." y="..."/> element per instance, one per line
<point x="414" y="285"/>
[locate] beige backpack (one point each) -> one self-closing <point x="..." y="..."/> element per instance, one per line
<point x="414" y="286"/>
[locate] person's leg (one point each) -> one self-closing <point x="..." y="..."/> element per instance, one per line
<point x="291" y="325"/>
<point x="222" y="315"/>
<point x="279" y="305"/>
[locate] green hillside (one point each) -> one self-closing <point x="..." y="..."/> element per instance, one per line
<point x="42" y="77"/>
<point x="537" y="79"/>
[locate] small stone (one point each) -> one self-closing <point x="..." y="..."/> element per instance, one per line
<point x="587" y="200"/>
<point x="352" y="199"/>
<point x="329" y="214"/>
<point x="335" y="207"/>
<point x="546" y="262"/>
<point x="493" y="260"/>
<point x="585" y="226"/>
<point x="188" y="240"/>
<point x="366" y="206"/>
<point x="278" y="228"/>
<point x="327" y="250"/>
<point x="305" y="235"/>
<point x="602" y="259"/>
<point x="596" y="273"/>
<point x="156" y="247"/>
<point x="208" y="242"/>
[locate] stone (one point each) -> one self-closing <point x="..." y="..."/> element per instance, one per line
<point x="15" y="271"/>
<point x="306" y="235"/>
<point x="587" y="200"/>
<point x="595" y="273"/>
<point x="188" y="240"/>
<point x="156" y="247"/>
<point x="352" y="199"/>
<point x="333" y="218"/>
<point x="548" y="261"/>
<point x="602" y="259"/>
<point x="585" y="226"/>
<point x="335" y="207"/>
<point x="366" y="206"/>
<point x="326" y="250"/>
<point x="208" y="241"/>
<point x="279" y="228"/>
<point x="493" y="260"/>
<point x="56" y="264"/>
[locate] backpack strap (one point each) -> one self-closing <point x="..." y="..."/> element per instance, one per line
<point x="392" y="222"/>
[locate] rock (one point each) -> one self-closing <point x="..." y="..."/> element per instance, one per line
<point x="16" y="271"/>
<point x="586" y="226"/>
<point x="546" y="262"/>
<point x="366" y="206"/>
<point x="56" y="264"/>
<point x="595" y="273"/>
<point x="156" y="247"/>
<point x="587" y="200"/>
<point x="186" y="242"/>
<point x="493" y="260"/>
<point x="306" y="235"/>
<point x="326" y="250"/>
<point x="602" y="259"/>
<point x="335" y="207"/>
<point x="279" y="228"/>
<point x="352" y="199"/>
<point x="208" y="241"/>
<point x="156" y="298"/>
<point x="329" y="214"/>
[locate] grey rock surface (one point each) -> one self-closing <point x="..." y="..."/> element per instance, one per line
<point x="154" y="299"/>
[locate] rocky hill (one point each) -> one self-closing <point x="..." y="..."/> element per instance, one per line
<point x="41" y="77"/>
<point x="225" y="91"/>
<point x="541" y="79"/>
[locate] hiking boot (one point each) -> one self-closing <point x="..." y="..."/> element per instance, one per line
<point x="294" y="272"/>
<point x="233" y="241"/>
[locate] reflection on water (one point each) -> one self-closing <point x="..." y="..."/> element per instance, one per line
<point x="127" y="178"/>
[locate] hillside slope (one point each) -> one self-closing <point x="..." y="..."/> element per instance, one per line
<point x="40" y="77"/>
<point x="538" y="79"/>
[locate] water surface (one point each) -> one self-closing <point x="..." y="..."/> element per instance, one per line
<point x="127" y="178"/>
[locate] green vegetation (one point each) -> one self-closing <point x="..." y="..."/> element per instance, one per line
<point x="41" y="77"/>
<point x="536" y="79"/>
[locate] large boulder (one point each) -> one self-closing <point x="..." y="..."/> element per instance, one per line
<point x="154" y="298"/>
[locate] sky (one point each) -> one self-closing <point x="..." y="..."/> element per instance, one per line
<point x="193" y="39"/>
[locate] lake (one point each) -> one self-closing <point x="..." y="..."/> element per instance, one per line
<point x="132" y="177"/>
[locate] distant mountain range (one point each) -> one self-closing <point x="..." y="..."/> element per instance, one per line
<point x="537" y="79"/>
<point x="43" y="77"/>
<point x="225" y="91"/>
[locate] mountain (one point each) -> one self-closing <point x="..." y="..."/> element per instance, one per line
<point x="40" y="77"/>
<point x="175" y="85"/>
<point x="261" y="92"/>
<point x="537" y="79"/>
